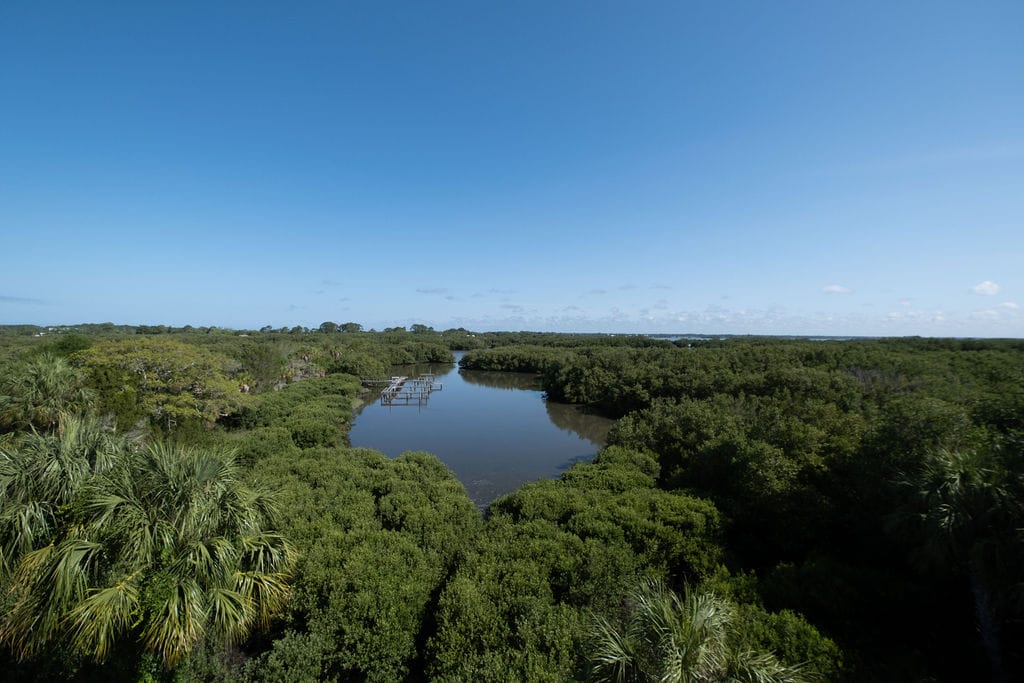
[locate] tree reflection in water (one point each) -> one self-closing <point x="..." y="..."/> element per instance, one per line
<point x="494" y="430"/>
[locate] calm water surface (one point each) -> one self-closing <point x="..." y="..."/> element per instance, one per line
<point x="493" y="429"/>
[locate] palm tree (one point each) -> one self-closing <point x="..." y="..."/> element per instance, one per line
<point x="167" y="546"/>
<point x="35" y="394"/>
<point x="40" y="477"/>
<point x="963" y="515"/>
<point x="670" y="639"/>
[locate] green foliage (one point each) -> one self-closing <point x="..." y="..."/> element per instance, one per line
<point x="836" y="468"/>
<point x="314" y="413"/>
<point x="511" y="359"/>
<point x="315" y="426"/>
<point x="760" y="458"/>
<point x="66" y="344"/>
<point x="668" y="532"/>
<point x="517" y="607"/>
<point x="41" y="478"/>
<point x="500" y="617"/>
<point x="295" y="658"/>
<point x="361" y="362"/>
<point x="263" y="363"/>
<point x="34" y="393"/>
<point x="964" y="516"/>
<point x="378" y="538"/>
<point x="165" y="380"/>
<point x="266" y="442"/>
<point x="790" y="637"/>
<point x="104" y="543"/>
<point x="800" y="445"/>
<point x="664" y="637"/>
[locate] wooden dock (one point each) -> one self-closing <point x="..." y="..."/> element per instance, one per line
<point x="406" y="391"/>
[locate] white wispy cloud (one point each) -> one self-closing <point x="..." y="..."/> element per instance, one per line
<point x="1008" y="312"/>
<point x="19" y="300"/>
<point x="836" y="289"/>
<point x="918" y="317"/>
<point x="986" y="288"/>
<point x="903" y="315"/>
<point x="432" y="290"/>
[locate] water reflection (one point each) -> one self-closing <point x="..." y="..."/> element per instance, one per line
<point x="566" y="417"/>
<point x="577" y="420"/>
<point x="522" y="381"/>
<point x="417" y="369"/>
<point x="493" y="429"/>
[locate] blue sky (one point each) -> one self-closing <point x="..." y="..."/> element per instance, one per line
<point x="707" y="167"/>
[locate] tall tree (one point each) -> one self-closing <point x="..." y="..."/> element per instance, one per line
<point x="964" y="516"/>
<point x="166" y="380"/>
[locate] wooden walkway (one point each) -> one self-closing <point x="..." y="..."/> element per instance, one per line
<point x="405" y="391"/>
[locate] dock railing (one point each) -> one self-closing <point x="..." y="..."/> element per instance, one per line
<point x="401" y="390"/>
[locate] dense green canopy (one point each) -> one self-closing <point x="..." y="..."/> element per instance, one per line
<point x="816" y="495"/>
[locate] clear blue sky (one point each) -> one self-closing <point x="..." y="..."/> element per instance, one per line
<point x="711" y="167"/>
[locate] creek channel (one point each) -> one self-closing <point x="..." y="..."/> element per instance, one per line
<point x="494" y="430"/>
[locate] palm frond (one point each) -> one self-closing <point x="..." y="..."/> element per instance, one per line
<point x="763" y="667"/>
<point x="178" y="523"/>
<point x="73" y="564"/>
<point x="269" y="593"/>
<point x="673" y="639"/>
<point x="267" y="552"/>
<point x="177" y="625"/>
<point x="27" y="524"/>
<point x="231" y="614"/>
<point x="613" y="659"/>
<point x="104" y="615"/>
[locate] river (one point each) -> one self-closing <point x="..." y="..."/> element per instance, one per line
<point x="495" y="430"/>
